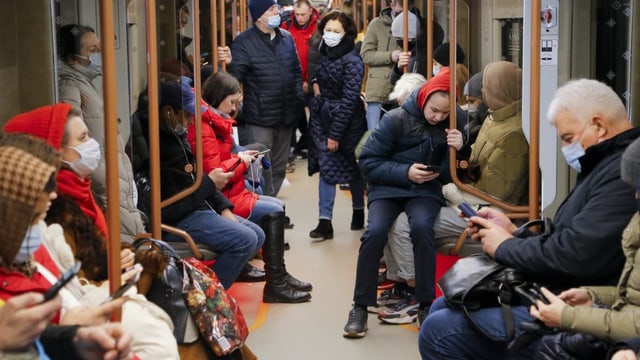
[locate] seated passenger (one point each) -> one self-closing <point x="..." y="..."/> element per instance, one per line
<point x="82" y="233"/>
<point x="25" y="185"/>
<point x="499" y="159"/>
<point x="395" y="161"/>
<point x="584" y="245"/>
<point x="205" y="214"/>
<point x="475" y="107"/>
<point x="615" y="318"/>
<point x="222" y="91"/>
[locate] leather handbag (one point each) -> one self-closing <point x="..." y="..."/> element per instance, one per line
<point x="166" y="292"/>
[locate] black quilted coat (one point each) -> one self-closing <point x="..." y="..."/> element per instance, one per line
<point x="270" y="73"/>
<point x="337" y="113"/>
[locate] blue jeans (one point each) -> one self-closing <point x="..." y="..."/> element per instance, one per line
<point x="422" y="213"/>
<point x="374" y="110"/>
<point x="327" y="196"/>
<point x="235" y="242"/>
<point x="447" y="334"/>
<point x="265" y="205"/>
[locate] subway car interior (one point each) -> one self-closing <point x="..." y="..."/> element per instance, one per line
<point x="552" y="41"/>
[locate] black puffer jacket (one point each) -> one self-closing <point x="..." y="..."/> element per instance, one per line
<point x="270" y="73"/>
<point x="585" y="246"/>
<point x="337" y="113"/>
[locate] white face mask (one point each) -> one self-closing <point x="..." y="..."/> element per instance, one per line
<point x="89" y="158"/>
<point x="332" y="39"/>
<point x="30" y="244"/>
<point x="95" y="60"/>
<point x="436" y="70"/>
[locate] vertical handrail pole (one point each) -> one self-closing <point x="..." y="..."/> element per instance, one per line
<point x="534" y="112"/>
<point x="111" y="145"/>
<point x="214" y="34"/>
<point x="429" y="39"/>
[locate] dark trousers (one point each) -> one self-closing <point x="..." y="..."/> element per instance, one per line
<point x="422" y="213"/>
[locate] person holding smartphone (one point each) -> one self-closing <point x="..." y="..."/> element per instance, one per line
<point x="395" y="160"/>
<point x="223" y="94"/>
<point x="75" y="235"/>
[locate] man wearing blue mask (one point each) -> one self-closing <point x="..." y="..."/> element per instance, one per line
<point x="265" y="61"/>
<point x="583" y="248"/>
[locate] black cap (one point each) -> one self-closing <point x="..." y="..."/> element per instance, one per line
<point x="441" y="54"/>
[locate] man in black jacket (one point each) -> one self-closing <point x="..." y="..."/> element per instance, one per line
<point x="584" y="245"/>
<point x="264" y="59"/>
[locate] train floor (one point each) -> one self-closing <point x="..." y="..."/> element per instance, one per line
<point x="313" y="330"/>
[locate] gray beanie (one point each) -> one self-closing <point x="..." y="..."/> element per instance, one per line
<point x="630" y="165"/>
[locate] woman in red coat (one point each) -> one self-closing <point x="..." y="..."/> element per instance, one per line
<point x="222" y="91"/>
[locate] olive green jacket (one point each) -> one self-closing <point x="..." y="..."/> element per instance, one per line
<point x="622" y="319"/>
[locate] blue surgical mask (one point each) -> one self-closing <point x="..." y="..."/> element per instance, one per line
<point x="90" y="156"/>
<point x="436" y="69"/>
<point x="273" y="21"/>
<point x="180" y="129"/>
<point x="95" y="60"/>
<point x="572" y="154"/>
<point x="332" y="39"/>
<point x="30" y="244"/>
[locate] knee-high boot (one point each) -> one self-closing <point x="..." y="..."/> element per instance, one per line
<point x="277" y="287"/>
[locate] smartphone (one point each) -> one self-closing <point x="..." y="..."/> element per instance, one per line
<point x="235" y="165"/>
<point x="64" y="279"/>
<point x="467" y="210"/>
<point x="263" y="152"/>
<point x="126" y="286"/>
<point x="434" y="168"/>
<point x="531" y="295"/>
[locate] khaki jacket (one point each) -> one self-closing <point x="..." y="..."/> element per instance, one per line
<point x="622" y="320"/>
<point x="377" y="46"/>
<point x="502" y="153"/>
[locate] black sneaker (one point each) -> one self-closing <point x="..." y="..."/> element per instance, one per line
<point x="356" y="326"/>
<point x="422" y="314"/>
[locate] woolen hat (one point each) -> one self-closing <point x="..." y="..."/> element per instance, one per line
<point x="630" y="165"/>
<point x="177" y="94"/>
<point x="474" y="86"/>
<point x="441" y="54"/>
<point x="259" y="7"/>
<point x="397" y="26"/>
<point x="23" y="178"/>
<point x="47" y="122"/>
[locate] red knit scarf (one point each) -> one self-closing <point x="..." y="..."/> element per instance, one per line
<point x="72" y="185"/>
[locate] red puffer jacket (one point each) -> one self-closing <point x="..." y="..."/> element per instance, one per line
<point x="217" y="142"/>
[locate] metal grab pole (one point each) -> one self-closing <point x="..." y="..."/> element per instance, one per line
<point x="214" y="34"/>
<point x="223" y="41"/>
<point x="405" y="31"/>
<point x="534" y="111"/>
<point x="111" y="146"/>
<point x="429" y="39"/>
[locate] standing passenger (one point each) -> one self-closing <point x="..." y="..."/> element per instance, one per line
<point x="380" y="52"/>
<point x="337" y="121"/>
<point x="266" y="63"/>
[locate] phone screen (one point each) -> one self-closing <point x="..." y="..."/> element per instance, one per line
<point x="126" y="286"/>
<point x="64" y="279"/>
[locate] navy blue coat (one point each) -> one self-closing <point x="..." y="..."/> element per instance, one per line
<point x="270" y="73"/>
<point x="337" y="113"/>
<point x="585" y="245"/>
<point x="403" y="137"/>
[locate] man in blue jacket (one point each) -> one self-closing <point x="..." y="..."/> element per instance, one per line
<point x="584" y="245"/>
<point x="265" y="61"/>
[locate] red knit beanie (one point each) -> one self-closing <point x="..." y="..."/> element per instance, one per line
<point x="439" y="82"/>
<point x="47" y="122"/>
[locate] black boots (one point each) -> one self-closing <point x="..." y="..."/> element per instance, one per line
<point x="357" y="219"/>
<point x="323" y="231"/>
<point x="281" y="286"/>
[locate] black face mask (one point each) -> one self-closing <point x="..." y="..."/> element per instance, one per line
<point x="412" y="44"/>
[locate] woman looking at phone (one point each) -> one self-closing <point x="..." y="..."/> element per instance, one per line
<point x="223" y="94"/>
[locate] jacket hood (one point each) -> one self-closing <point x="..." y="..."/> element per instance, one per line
<point x="501" y="84"/>
<point x="77" y="71"/>
<point x="385" y="15"/>
<point x="47" y="122"/>
<point x="439" y="82"/>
